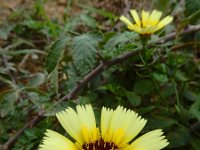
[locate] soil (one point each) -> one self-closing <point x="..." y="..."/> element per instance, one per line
<point x="56" y="9"/>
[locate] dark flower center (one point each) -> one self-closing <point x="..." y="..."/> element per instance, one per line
<point x="99" y="145"/>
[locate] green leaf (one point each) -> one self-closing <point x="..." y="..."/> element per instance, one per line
<point x="160" y="121"/>
<point x="88" y="20"/>
<point x="84" y="49"/>
<point x="23" y="51"/>
<point x="99" y="11"/>
<point x="143" y="87"/>
<point x="6" y="79"/>
<point x="5" y="31"/>
<point x="83" y="100"/>
<point x="183" y="113"/>
<point x="120" y="39"/>
<point x="162" y="5"/>
<point x="30" y="134"/>
<point x="59" y="107"/>
<point x="191" y="6"/>
<point x="133" y="98"/>
<point x="178" y="59"/>
<point x="160" y="77"/>
<point x="37" y="80"/>
<point x="37" y="98"/>
<point x="196" y="143"/>
<point x="118" y="43"/>
<point x="179" y="136"/>
<point x="53" y="81"/>
<point x="191" y="19"/>
<point x="189" y="95"/>
<point x="195" y="108"/>
<point x="180" y="75"/>
<point x="7" y="102"/>
<point x="55" y="53"/>
<point x="146" y="109"/>
<point x="18" y="42"/>
<point x="169" y="91"/>
<point x="73" y="76"/>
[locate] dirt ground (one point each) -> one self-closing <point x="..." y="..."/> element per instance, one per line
<point x="56" y="8"/>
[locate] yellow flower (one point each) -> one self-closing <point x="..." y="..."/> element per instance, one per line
<point x="118" y="127"/>
<point x="149" y="22"/>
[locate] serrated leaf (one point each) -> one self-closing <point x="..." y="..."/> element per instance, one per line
<point x="55" y="53"/>
<point x="7" y="101"/>
<point x="60" y="107"/>
<point x="84" y="49"/>
<point x="73" y="76"/>
<point x="37" y="98"/>
<point x="5" y="31"/>
<point x="118" y="43"/>
<point x="88" y="20"/>
<point x="53" y="79"/>
<point x="119" y="39"/>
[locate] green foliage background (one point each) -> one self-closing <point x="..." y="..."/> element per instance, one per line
<point x="43" y="59"/>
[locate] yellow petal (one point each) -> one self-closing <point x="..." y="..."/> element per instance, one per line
<point x="126" y="21"/>
<point x="79" y="123"/>
<point x="71" y="123"/>
<point x="154" y="17"/>
<point x="121" y="125"/>
<point x="149" y="22"/>
<point x="135" y="17"/>
<point x="86" y="116"/>
<point x="149" y="30"/>
<point x="106" y="115"/>
<point x="135" y="28"/>
<point x="145" y="17"/>
<point x="54" y="140"/>
<point x="164" y="22"/>
<point x="153" y="140"/>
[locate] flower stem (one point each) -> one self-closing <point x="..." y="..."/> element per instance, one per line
<point x="142" y="55"/>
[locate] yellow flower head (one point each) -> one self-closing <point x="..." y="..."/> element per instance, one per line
<point x="118" y="127"/>
<point x="147" y="23"/>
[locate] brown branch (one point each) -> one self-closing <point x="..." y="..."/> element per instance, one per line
<point x="189" y="30"/>
<point x="13" y="139"/>
<point x="98" y="70"/>
<point x="185" y="45"/>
